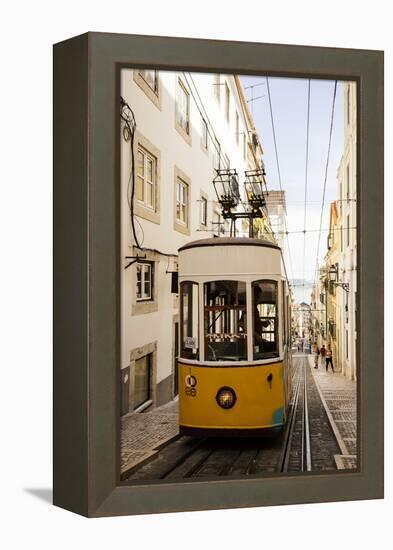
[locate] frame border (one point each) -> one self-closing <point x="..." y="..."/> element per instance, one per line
<point x="86" y="272"/>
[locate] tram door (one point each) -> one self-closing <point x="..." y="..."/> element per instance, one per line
<point x="175" y="359"/>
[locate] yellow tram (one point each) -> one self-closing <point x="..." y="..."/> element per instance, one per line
<point x="234" y="361"/>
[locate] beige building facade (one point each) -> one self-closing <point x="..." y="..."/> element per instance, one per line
<point x="186" y="126"/>
<point x="334" y="295"/>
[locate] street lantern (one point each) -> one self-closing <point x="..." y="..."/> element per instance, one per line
<point x="333" y="278"/>
<point x="226" y="185"/>
<point x="333" y="273"/>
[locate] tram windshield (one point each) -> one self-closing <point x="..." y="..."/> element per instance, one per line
<point x="265" y="327"/>
<point x="225" y="321"/>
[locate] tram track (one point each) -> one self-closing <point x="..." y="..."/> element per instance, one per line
<point x="298" y="427"/>
<point x="307" y="444"/>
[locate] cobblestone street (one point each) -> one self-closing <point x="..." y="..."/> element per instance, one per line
<point x="339" y="396"/>
<point x="142" y="434"/>
<point x="151" y="447"/>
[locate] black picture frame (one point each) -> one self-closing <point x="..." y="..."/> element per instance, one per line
<point x="86" y="272"/>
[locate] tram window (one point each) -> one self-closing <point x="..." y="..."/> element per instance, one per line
<point x="225" y="321"/>
<point x="189" y="320"/>
<point x="265" y="319"/>
<point x="284" y="313"/>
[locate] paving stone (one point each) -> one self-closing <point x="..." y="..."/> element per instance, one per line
<point x="141" y="434"/>
<point x="340" y="396"/>
<point x="346" y="462"/>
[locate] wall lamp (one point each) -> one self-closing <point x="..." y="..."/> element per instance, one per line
<point x="333" y="278"/>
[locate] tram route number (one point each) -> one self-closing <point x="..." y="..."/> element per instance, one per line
<point x="190" y="382"/>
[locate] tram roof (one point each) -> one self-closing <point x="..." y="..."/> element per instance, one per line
<point x="229" y="241"/>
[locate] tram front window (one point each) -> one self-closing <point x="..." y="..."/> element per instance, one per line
<point x="265" y="333"/>
<point x="225" y="322"/>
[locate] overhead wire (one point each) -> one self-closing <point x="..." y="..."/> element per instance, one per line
<point x="306" y="172"/>
<point x="278" y="168"/>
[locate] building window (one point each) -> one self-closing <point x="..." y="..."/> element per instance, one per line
<point x="204" y="135"/>
<point x="348" y="230"/>
<point x="149" y="82"/>
<point x="151" y="79"/>
<point x="225" y="321"/>
<point x="217" y="154"/>
<point x="284" y="312"/>
<point x="341" y="197"/>
<point x="245" y="145"/>
<point x="227" y="101"/>
<point x="146" y="181"/>
<point x="181" y="201"/>
<point x="348" y="104"/>
<point x="217" y="87"/>
<point x="265" y="319"/>
<point x="183" y="108"/>
<point x="346" y="344"/>
<point x="142" y="389"/>
<point x="237" y="128"/>
<point x="144" y="281"/>
<point x="347" y="181"/>
<point x="203" y="211"/>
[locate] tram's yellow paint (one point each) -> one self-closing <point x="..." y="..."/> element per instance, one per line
<point x="259" y="403"/>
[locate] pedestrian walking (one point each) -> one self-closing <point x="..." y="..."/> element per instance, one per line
<point x="329" y="359"/>
<point x="322" y="351"/>
<point x="316" y="353"/>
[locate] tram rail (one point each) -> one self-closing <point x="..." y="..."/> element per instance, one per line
<point x="302" y="447"/>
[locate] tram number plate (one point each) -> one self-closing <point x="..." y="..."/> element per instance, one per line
<point x="191" y="392"/>
<point x="190" y="382"/>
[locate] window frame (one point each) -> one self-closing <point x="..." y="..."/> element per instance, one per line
<point x="348" y="231"/>
<point x="149" y="359"/>
<point x="184" y="131"/>
<point x="147" y="156"/>
<point x="204" y="135"/>
<point x="348" y="181"/>
<point x="228" y="320"/>
<point x="140" y="210"/>
<point x="227" y="102"/>
<point x="237" y="126"/>
<point x="142" y="73"/>
<point x="144" y="297"/>
<point x="190" y="318"/>
<point x="153" y="94"/>
<point x="277" y="352"/>
<point x="181" y="202"/>
<point x="183" y="226"/>
<point x="203" y="210"/>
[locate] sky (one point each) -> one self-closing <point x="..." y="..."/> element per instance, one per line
<point x="289" y="99"/>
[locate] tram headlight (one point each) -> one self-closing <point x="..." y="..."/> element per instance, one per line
<point x="226" y="397"/>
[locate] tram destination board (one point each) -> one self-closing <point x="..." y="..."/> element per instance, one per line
<point x="212" y="315"/>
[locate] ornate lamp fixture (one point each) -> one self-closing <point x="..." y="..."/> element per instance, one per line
<point x="333" y="278"/>
<point x="226" y="185"/>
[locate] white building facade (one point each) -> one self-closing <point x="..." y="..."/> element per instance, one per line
<point x="347" y="257"/>
<point x="187" y="124"/>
